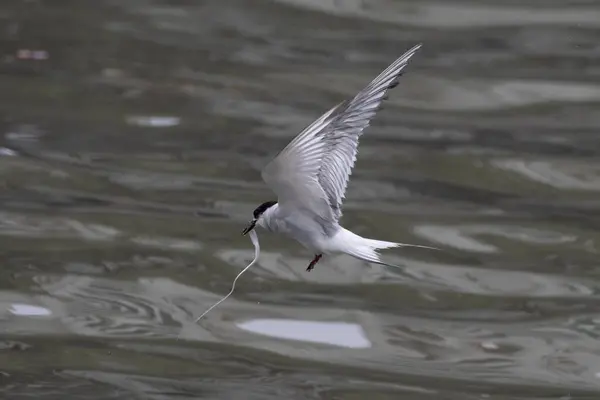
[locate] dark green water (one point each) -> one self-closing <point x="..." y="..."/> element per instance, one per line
<point x="130" y="152"/>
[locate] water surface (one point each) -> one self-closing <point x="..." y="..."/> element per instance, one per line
<point x="133" y="133"/>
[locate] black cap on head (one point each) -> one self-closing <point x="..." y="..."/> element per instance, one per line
<point x="257" y="213"/>
<point x="262" y="208"/>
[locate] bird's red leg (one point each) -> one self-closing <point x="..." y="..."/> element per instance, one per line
<point x="314" y="262"/>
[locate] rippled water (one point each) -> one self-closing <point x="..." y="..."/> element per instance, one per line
<point x="133" y="136"/>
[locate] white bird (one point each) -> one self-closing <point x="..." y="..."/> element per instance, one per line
<point x="310" y="175"/>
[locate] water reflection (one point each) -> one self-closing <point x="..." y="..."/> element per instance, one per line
<point x="462" y="236"/>
<point x="332" y="333"/>
<point x="153" y="121"/>
<point x="29" y="310"/>
<point x="560" y="174"/>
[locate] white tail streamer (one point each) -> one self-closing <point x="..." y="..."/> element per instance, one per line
<point x="254" y="238"/>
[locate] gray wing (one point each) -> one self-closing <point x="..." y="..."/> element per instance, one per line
<point x="312" y="171"/>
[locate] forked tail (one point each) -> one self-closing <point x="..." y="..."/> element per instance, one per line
<point x="367" y="249"/>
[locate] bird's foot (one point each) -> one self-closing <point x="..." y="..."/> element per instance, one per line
<point x="314" y="262"/>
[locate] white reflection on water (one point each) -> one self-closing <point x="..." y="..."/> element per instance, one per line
<point x="569" y="175"/>
<point x="167" y="243"/>
<point x="440" y="93"/>
<point x="6" y="152"/>
<point x="153" y="121"/>
<point x="28" y="310"/>
<point x="461" y="236"/>
<point x="341" y="334"/>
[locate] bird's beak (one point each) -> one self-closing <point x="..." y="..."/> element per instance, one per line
<point x="250" y="226"/>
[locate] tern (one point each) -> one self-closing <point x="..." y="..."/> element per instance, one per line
<point x="310" y="176"/>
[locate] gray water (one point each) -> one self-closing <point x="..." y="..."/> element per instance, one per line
<point x="133" y="133"/>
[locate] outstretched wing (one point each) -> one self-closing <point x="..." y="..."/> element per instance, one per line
<point x="313" y="170"/>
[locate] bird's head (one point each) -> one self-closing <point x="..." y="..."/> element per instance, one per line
<point x="258" y="214"/>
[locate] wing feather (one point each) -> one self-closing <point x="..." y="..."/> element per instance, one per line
<point x="313" y="170"/>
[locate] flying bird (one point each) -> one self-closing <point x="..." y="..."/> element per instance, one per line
<point x="310" y="176"/>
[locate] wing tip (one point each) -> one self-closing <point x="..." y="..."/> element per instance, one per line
<point x="415" y="48"/>
<point x="401" y="63"/>
<point x="411" y="52"/>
